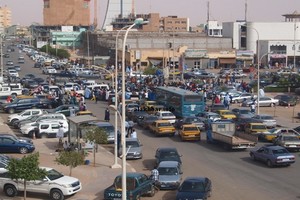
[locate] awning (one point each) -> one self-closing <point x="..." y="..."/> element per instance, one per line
<point x="278" y="56"/>
<point x="227" y="60"/>
<point x="155" y="61"/>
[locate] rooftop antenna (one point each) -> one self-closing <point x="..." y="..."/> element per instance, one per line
<point x="207" y="11"/>
<point x="133" y="8"/>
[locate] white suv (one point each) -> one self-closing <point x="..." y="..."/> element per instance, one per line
<point x="54" y="183"/>
<point x="25" y="114"/>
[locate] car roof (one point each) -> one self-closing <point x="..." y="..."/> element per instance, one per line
<point x="168" y="164"/>
<point x="162" y="121"/>
<point x="167" y="149"/>
<point x="189" y="125"/>
<point x="194" y="179"/>
<point x="273" y="147"/>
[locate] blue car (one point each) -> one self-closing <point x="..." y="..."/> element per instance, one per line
<point x="194" y="188"/>
<point x="9" y="144"/>
<point x="273" y="155"/>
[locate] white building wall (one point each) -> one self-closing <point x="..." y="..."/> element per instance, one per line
<point x="232" y="30"/>
<point x="270" y="31"/>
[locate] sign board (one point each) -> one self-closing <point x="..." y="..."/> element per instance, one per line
<point x="138" y="55"/>
<point x="67" y="29"/>
<point x="40" y="44"/>
<point x="195" y="53"/>
<point x="245" y="53"/>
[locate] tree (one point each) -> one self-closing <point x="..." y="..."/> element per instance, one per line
<point x="26" y="169"/>
<point x="70" y="158"/>
<point x="98" y="136"/>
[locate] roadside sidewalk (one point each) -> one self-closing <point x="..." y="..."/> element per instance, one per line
<point x="94" y="179"/>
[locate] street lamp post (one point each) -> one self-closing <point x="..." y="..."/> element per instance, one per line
<point x="258" y="79"/>
<point x="258" y="64"/>
<point x="295" y="29"/>
<point x="1" y="58"/>
<point x="116" y="165"/>
<point x="124" y="187"/>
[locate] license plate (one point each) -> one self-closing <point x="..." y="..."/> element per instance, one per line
<point x="191" y="135"/>
<point x="117" y="199"/>
<point x="292" y="146"/>
<point x="285" y="160"/>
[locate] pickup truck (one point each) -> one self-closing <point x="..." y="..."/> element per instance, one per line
<point x="162" y="127"/>
<point x="138" y="185"/>
<point x="225" y="134"/>
<point x="7" y="91"/>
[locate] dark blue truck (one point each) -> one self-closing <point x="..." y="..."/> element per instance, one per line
<point x="138" y="185"/>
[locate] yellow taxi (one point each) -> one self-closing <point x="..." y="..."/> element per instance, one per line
<point x="256" y="128"/>
<point x="86" y="112"/>
<point x="226" y="114"/>
<point x="189" y="132"/>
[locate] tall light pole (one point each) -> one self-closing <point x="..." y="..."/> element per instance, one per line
<point x="173" y="57"/>
<point x="88" y="48"/>
<point x="294" y="46"/>
<point x="116" y="165"/>
<point x="258" y="64"/>
<point x="258" y="80"/>
<point x="1" y="40"/>
<point x="124" y="187"/>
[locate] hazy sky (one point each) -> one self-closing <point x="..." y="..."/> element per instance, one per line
<point x="25" y="12"/>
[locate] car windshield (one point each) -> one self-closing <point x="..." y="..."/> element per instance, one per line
<point x="168" y="171"/>
<point x="244" y="111"/>
<point x="167" y="114"/>
<point x="259" y="127"/>
<point x="132" y="144"/>
<point x="169" y="154"/>
<point x="191" y="129"/>
<point x="53" y="174"/>
<point x="290" y="138"/>
<point x="192" y="187"/>
<point x="165" y="124"/>
<point x="193" y="120"/>
<point x="266" y="117"/>
<point x="279" y="151"/>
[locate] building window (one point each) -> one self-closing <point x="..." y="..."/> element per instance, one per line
<point x="183" y="22"/>
<point x="197" y="64"/>
<point x="46" y="4"/>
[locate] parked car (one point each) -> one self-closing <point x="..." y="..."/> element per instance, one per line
<point x="169" y="175"/>
<point x="286" y="100"/>
<point x="217" y="106"/>
<point x="10" y="144"/>
<point x="64" y="109"/>
<point x="263" y="101"/>
<point x="194" y="188"/>
<point x="19" y="105"/>
<point x="167" y="154"/>
<point x="273" y="155"/>
<point x="241" y="122"/>
<point x="268" y="120"/>
<point x="23" y="115"/>
<point x="55" y="184"/>
<point x="242" y="97"/>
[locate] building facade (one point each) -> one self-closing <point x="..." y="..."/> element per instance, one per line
<point x="5" y="17"/>
<point x="67" y="13"/>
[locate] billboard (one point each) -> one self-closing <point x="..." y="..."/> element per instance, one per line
<point x="67" y="29"/>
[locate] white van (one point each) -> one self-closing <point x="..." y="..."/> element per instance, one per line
<point x="51" y="116"/>
<point x="100" y="86"/>
<point x="25" y="114"/>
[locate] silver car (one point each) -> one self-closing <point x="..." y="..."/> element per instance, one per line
<point x="133" y="148"/>
<point x="263" y="101"/>
<point x="268" y="120"/>
<point x="169" y="175"/>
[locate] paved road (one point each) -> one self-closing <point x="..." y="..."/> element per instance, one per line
<point x="234" y="175"/>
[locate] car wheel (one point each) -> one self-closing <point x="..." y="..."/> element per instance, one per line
<point x="56" y="194"/>
<point x="269" y="163"/>
<point x="11" y="111"/>
<point x="138" y="197"/>
<point x="23" y="150"/>
<point x="252" y="156"/>
<point x="152" y="191"/>
<point x="272" y="105"/>
<point x="209" y="193"/>
<point x="43" y="135"/>
<point x="13" y="121"/>
<point x="10" y="190"/>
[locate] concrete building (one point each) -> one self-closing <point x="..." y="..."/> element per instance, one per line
<point x="67" y="13"/>
<point x="5" y="17"/>
<point x="115" y="9"/>
<point x="174" y="24"/>
<point x="214" y="29"/>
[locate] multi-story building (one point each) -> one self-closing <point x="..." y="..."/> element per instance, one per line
<point x="67" y="13"/>
<point x="174" y="24"/>
<point x="5" y="17"/>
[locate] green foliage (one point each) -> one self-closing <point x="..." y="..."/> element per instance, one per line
<point x="150" y="70"/>
<point x="26" y="168"/>
<point x="97" y="135"/>
<point x="61" y="53"/>
<point x="70" y="158"/>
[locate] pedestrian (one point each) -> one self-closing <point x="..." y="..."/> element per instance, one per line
<point x="155" y="175"/>
<point x="107" y="115"/>
<point x="133" y="134"/>
<point x="208" y="131"/>
<point x="252" y="107"/>
<point x="66" y="146"/>
<point x="60" y="134"/>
